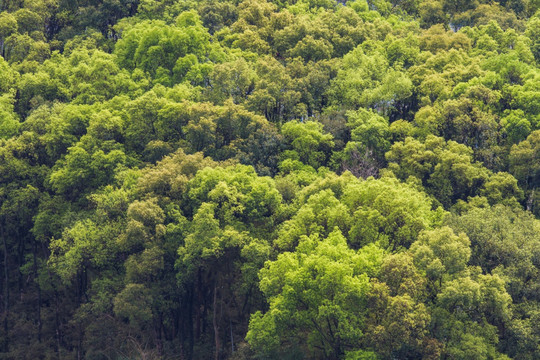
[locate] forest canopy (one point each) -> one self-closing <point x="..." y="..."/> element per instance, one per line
<point x="257" y="179"/>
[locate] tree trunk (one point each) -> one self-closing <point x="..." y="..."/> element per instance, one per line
<point x="34" y="250"/>
<point x="57" y="324"/>
<point x="197" y="308"/>
<point x="232" y="338"/>
<point x="190" y="330"/>
<point x="215" y="323"/>
<point x="56" y="307"/>
<point x="6" y="293"/>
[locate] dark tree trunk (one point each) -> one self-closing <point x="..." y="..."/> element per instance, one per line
<point x="215" y="323"/>
<point x="6" y="293"/>
<point x="39" y="323"/>
<point x="57" y="332"/>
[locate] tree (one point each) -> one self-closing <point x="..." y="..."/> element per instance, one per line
<point x="503" y="240"/>
<point x="370" y="131"/>
<point x="389" y="212"/>
<point x="8" y="27"/>
<point x="308" y="143"/>
<point x="398" y="324"/>
<point x="524" y="166"/>
<point x="442" y="255"/>
<point x="9" y="124"/>
<point x="275" y="95"/>
<point x="447" y="171"/>
<point x="151" y="45"/>
<point x="367" y="80"/>
<point x="533" y="29"/>
<point x="462" y="297"/>
<point x="87" y="167"/>
<point x="235" y="79"/>
<point x="317" y="298"/>
<point x="321" y="214"/>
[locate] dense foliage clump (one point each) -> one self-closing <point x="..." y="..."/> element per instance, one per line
<point x="256" y="179"/>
